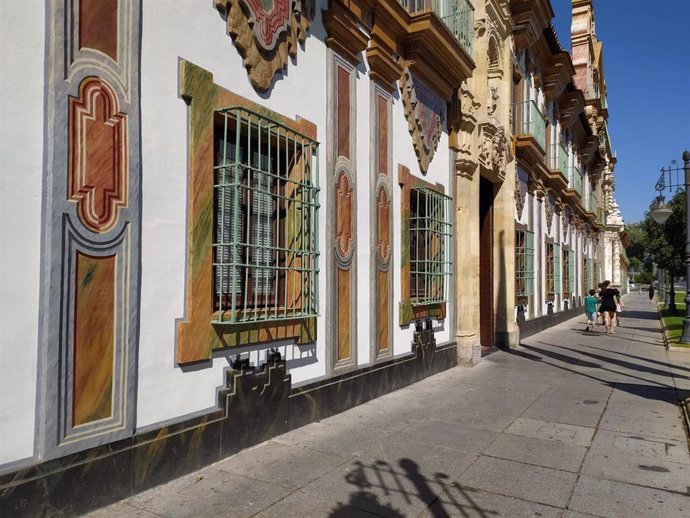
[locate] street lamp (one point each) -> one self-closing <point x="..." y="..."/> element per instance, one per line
<point x="661" y="213"/>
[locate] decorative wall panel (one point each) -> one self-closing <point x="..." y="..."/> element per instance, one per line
<point x="98" y="155"/>
<point x="98" y="26"/>
<point x="91" y="227"/>
<point x="342" y="211"/>
<point x="94" y="337"/>
<point x="382" y="228"/>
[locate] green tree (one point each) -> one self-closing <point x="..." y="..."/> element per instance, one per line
<point x="665" y="243"/>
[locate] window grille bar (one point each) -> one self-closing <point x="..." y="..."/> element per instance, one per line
<point x="430" y="231"/>
<point x="265" y="240"/>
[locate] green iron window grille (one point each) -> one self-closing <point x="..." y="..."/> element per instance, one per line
<point x="557" y="269"/>
<point x="430" y="242"/>
<point x="571" y="269"/>
<point x="550" y="269"/>
<point x="529" y="120"/>
<point x="524" y="263"/>
<point x="457" y="15"/>
<point x="568" y="280"/>
<point x="265" y="257"/>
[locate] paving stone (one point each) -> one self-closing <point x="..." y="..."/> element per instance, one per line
<point x="579" y="413"/>
<point x="569" y="434"/>
<point x="617" y="500"/>
<point x="404" y="478"/>
<point x="301" y="504"/>
<point x="290" y="466"/>
<point x="638" y="461"/>
<point x="120" y="510"/>
<point x="541" y="452"/>
<point x="472" y="418"/>
<point x="670" y="429"/>
<point x="536" y="484"/>
<point x="461" y="502"/>
<point x="210" y="492"/>
<point x="450" y="436"/>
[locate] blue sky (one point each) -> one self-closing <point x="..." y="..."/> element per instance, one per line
<point x="647" y="71"/>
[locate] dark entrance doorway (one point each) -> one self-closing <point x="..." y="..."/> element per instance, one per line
<point x="486" y="263"/>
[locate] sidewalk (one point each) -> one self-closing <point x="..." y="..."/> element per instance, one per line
<point x="570" y="424"/>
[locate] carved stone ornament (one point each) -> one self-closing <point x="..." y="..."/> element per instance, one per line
<point x="266" y="33"/>
<point x="548" y="208"/>
<point x="493" y="148"/>
<point x="519" y="198"/>
<point x="564" y="220"/>
<point x="424" y="112"/>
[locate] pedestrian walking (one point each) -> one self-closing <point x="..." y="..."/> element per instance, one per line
<point x="591" y="310"/>
<point x="608" y="306"/>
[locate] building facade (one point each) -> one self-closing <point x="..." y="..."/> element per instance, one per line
<point x="227" y="220"/>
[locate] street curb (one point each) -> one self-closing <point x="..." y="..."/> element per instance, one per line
<point x="683" y="404"/>
<point x="667" y="338"/>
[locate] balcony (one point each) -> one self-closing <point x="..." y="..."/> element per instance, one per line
<point x="457" y="15"/>
<point x="575" y="180"/>
<point x="528" y="120"/>
<point x="558" y="158"/>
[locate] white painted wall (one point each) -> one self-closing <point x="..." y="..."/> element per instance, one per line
<point x="197" y="34"/>
<point x="22" y="27"/>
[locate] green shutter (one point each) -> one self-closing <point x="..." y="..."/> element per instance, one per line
<point x="529" y="263"/>
<point x="557" y="268"/>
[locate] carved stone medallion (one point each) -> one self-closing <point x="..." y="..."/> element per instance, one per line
<point x="425" y="113"/>
<point x="266" y="33"/>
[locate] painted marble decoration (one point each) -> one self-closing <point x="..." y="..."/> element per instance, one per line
<point x="266" y="33"/>
<point x="425" y="115"/>
<point x="94" y="338"/>
<point x="98" y="155"/>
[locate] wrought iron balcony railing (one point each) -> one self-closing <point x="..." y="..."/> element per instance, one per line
<point x="457" y="15"/>
<point x="529" y="120"/>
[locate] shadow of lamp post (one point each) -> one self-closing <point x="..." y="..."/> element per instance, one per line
<point x="661" y="213"/>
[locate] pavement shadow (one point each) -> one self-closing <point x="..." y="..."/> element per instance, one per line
<point x="648" y="389"/>
<point x="379" y="483"/>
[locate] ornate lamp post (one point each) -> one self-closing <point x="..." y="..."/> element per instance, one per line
<point x="661" y="213"/>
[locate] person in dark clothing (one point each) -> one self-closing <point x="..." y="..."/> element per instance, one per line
<point x="608" y="298"/>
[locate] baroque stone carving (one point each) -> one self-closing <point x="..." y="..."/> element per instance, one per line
<point x="493" y="148"/>
<point x="519" y="198"/>
<point x="266" y="33"/>
<point x="424" y="112"/>
<point x="549" y="215"/>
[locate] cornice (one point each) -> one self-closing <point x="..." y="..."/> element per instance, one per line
<point x="347" y="32"/>
<point x="530" y="18"/>
<point x="437" y="56"/>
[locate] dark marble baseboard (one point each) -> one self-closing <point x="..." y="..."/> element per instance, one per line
<point x="255" y="405"/>
<point x="537" y="325"/>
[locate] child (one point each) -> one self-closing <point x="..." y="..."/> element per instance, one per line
<point x="591" y="310"/>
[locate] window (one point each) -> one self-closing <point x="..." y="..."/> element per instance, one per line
<point x="430" y="232"/>
<point x="524" y="263"/>
<point x="550" y="271"/>
<point x="265" y="203"/>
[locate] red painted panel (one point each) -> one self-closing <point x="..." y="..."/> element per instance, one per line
<point x="98" y="26"/>
<point x="343" y="109"/>
<point x="98" y="155"/>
